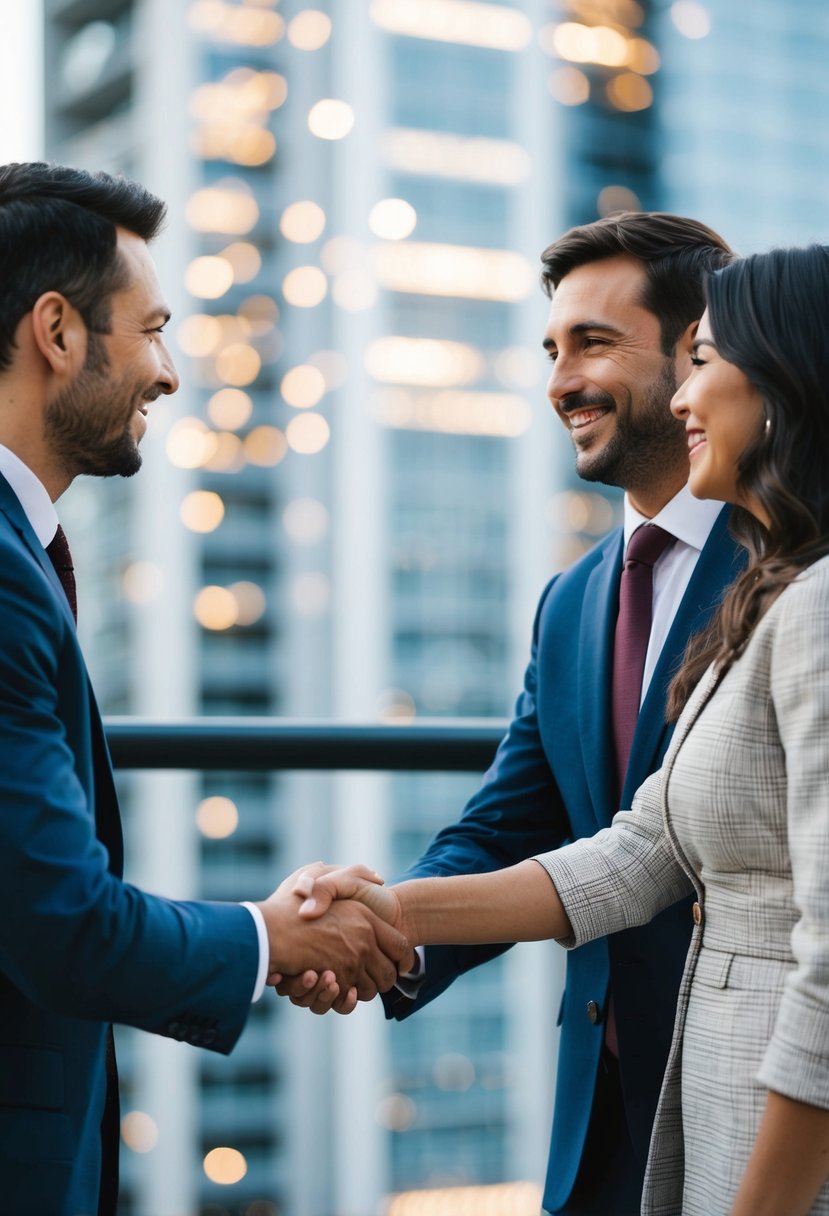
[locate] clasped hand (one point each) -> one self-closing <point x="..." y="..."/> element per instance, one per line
<point x="352" y="895"/>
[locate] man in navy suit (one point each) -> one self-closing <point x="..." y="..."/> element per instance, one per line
<point x="82" y="358"/>
<point x="626" y="293"/>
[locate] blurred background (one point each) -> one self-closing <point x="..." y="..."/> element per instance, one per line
<point x="351" y="506"/>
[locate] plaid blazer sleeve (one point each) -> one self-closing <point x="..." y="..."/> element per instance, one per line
<point x="622" y="876"/>
<point x="796" y="1062"/>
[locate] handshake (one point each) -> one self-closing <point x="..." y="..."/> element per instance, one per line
<point x="336" y="935"/>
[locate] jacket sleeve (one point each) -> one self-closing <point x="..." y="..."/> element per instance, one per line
<point x="517" y="811"/>
<point x="796" y="1062"/>
<point x="621" y="877"/>
<point x="74" y="938"/>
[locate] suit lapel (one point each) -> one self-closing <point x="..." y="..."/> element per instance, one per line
<point x="719" y="563"/>
<point x="10" y="506"/>
<point x="594" y="663"/>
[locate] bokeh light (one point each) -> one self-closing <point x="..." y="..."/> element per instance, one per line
<point x="217" y="817"/>
<point x="306" y="520"/>
<point x="331" y="119"/>
<point x="309" y="30"/>
<point x="265" y="446"/>
<point x="202" y="511"/>
<point x="230" y="408"/>
<point x="307" y="434"/>
<point x="225" y="1166"/>
<point x="303" y="386"/>
<point x="302" y="222"/>
<point x="305" y="286"/>
<point x="139" y="1131"/>
<point x="392" y="219"/>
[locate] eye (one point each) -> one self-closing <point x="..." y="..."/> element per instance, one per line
<point x="590" y="341"/>
<point x="697" y="362"/>
<point x="552" y="355"/>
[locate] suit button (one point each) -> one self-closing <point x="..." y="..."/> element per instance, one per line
<point x="592" y="1012"/>
<point x="696" y="912"/>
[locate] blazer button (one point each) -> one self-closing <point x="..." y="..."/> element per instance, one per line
<point x="592" y="1012"/>
<point x="696" y="912"/>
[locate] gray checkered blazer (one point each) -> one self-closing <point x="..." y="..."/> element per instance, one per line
<point x="740" y="814"/>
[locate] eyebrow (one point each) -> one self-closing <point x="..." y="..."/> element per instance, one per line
<point x="583" y="327"/>
<point x="698" y="342"/>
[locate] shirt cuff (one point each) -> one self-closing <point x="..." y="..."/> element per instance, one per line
<point x="264" y="952"/>
<point x="410" y="982"/>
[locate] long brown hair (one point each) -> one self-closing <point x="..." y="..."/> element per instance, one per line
<point x="768" y="317"/>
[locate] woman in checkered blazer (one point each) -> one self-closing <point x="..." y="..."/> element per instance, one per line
<point x="739" y="813"/>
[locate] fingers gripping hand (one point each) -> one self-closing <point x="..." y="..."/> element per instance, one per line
<point x="352" y="882"/>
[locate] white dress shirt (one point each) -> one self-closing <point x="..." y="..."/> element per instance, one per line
<point x="41" y="514"/>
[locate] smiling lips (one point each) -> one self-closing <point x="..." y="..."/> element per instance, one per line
<point x="696" y="439"/>
<point x="582" y="418"/>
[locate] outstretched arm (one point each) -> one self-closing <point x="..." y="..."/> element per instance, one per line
<point x="519" y="903"/>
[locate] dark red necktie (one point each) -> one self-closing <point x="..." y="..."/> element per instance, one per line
<point x="633" y="631"/>
<point x="58" y="550"/>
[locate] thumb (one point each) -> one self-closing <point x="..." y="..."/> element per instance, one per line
<point x="321" y="891"/>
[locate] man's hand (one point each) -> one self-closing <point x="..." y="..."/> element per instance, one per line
<point x="348" y="939"/>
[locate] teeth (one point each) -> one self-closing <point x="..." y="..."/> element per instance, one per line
<point x="583" y="417"/>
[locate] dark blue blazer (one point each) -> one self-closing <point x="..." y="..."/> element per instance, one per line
<point x="553" y="781"/>
<point x="79" y="947"/>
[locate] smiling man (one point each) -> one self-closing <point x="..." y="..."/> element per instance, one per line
<point x="626" y="293"/>
<point x="82" y="358"/>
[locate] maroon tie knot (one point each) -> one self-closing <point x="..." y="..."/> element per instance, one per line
<point x="61" y="558"/>
<point x="647" y="544"/>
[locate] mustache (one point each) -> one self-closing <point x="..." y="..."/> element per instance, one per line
<point x="594" y="399"/>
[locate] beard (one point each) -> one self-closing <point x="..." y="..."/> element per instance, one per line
<point x="82" y="422"/>
<point x="647" y="444"/>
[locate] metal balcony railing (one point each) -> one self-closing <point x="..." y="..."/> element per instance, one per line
<point x="271" y="744"/>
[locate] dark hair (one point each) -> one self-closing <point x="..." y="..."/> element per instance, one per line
<point x="768" y="317"/>
<point x="57" y="233"/>
<point x="678" y="254"/>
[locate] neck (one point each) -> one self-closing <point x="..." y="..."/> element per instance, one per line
<point x="650" y="500"/>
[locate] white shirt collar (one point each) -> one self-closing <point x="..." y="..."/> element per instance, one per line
<point x="687" y="518"/>
<point x="32" y="494"/>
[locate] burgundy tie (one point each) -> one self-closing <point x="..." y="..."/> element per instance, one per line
<point x="58" y="550"/>
<point x="633" y="630"/>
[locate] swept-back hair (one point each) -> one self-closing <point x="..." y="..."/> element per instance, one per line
<point x="58" y="233"/>
<point x="677" y="254"/>
<point x="768" y="317"/>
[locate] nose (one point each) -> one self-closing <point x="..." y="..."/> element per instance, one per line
<point x="679" y="404"/>
<point x="565" y="379"/>
<point x="168" y="379"/>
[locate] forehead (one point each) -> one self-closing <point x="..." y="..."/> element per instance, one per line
<point x="607" y="292"/>
<point x="143" y="290"/>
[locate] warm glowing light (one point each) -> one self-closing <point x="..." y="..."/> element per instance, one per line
<point x="250" y="600"/>
<point x="303" y="386"/>
<point x="202" y="511"/>
<point x="309" y="30"/>
<point x="438" y="154"/>
<point x="330" y="119"/>
<point x="586" y="43"/>
<point x="454" y="411"/>
<point x="238" y="364"/>
<point x="208" y="278"/>
<point x="230" y="408"/>
<point x="215" y="608"/>
<point x="311" y="594"/>
<point x="242" y="26"/>
<point x="691" y="19"/>
<point x="244" y="259"/>
<point x="569" y="86"/>
<point x="217" y="817"/>
<point x="265" y="446"/>
<point x="454" y="270"/>
<point x="501" y="1199"/>
<point x="614" y="12"/>
<point x="426" y="361"/>
<point x="139" y="1131"/>
<point x="629" y="92"/>
<point x="307" y="434"/>
<point x="244" y="95"/>
<point x="643" y="57"/>
<point x="302" y="222"/>
<point x="226" y="208"/>
<point x="142" y="582"/>
<point x="333" y="366"/>
<point x="230" y="142"/>
<point x="392" y="219"/>
<point x="259" y="311"/>
<point x="190" y="443"/>
<point x="461" y="21"/>
<point x="355" y="290"/>
<point x="228" y="454"/>
<point x="305" y="520"/>
<point x="199" y="335"/>
<point x="617" y="198"/>
<point x="225" y="1165"/>
<point x="305" y="286"/>
<point x="397" y="1113"/>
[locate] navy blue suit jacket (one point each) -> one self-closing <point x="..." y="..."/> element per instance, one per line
<point x="553" y="781"/>
<point x="79" y="947"/>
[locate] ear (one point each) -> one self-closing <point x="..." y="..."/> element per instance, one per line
<point x="682" y="352"/>
<point x="59" y="333"/>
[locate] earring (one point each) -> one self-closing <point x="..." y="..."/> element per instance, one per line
<point x="767" y="428"/>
